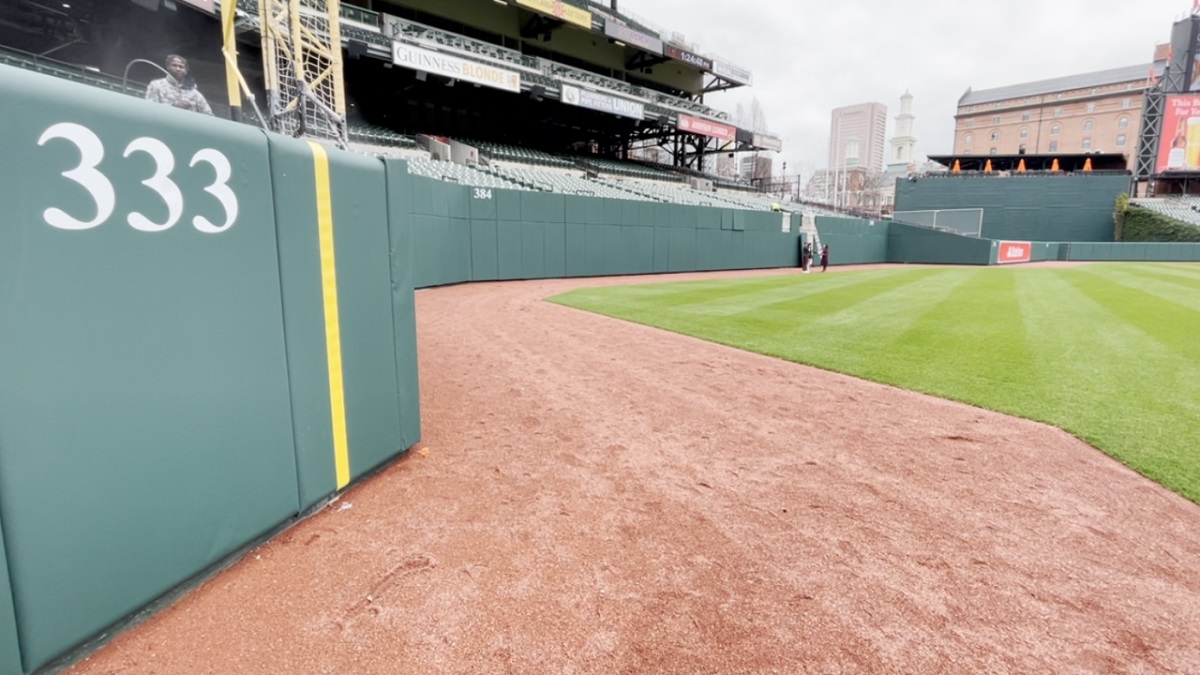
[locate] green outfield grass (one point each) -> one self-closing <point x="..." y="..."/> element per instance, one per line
<point x="1109" y="352"/>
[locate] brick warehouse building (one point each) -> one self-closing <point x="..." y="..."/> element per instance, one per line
<point x="1091" y="112"/>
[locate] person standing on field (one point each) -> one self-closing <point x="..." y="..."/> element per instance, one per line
<point x="824" y="257"/>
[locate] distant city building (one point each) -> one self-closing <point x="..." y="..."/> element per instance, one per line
<point x="1092" y="112"/>
<point x="755" y="167"/>
<point x="650" y="153"/>
<point x="904" y="144"/>
<point x="903" y="156"/>
<point x="726" y="164"/>
<point x="857" y="136"/>
<point x="851" y="188"/>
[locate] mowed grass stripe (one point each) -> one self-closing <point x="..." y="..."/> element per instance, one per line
<point x="809" y="297"/>
<point x="973" y="339"/>
<point x="790" y="330"/>
<point x="779" y="322"/>
<point x="730" y="296"/>
<point x="1145" y="310"/>
<point x="1107" y="352"/>
<point x="1132" y="276"/>
<point x="1118" y="387"/>
<point x="707" y="297"/>
<point x="1184" y="270"/>
<point x="848" y="345"/>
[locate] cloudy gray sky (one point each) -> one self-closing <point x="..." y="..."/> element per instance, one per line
<point x="809" y="57"/>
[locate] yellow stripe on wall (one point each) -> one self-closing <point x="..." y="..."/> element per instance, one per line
<point x="333" y="331"/>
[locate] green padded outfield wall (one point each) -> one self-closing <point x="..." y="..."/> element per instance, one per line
<point x="469" y="234"/>
<point x="145" y="427"/>
<point x="1040" y="251"/>
<point x="404" y="318"/>
<point x="913" y="244"/>
<point x="10" y="649"/>
<point x="1134" y="251"/>
<point x="1077" y="207"/>
<point x="853" y="241"/>
<point x="1118" y="251"/>
<point x="334" y="243"/>
<point x="441" y="232"/>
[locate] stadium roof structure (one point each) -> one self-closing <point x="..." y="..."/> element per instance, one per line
<point x="1098" y="78"/>
<point x="1107" y="162"/>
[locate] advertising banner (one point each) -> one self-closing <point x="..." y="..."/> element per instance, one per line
<point x="629" y="36"/>
<point x="1014" y="252"/>
<point x="452" y="66"/>
<point x="1193" y="82"/>
<point x="561" y="11"/>
<point x="585" y="98"/>
<point x="768" y="142"/>
<point x="1179" y="144"/>
<point x="732" y="73"/>
<point x="680" y="54"/>
<point x="707" y="128"/>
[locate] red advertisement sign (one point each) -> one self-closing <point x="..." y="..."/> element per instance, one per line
<point x="1179" y="147"/>
<point x="695" y="125"/>
<point x="1014" y="252"/>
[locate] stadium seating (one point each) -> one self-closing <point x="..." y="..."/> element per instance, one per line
<point x="512" y="153"/>
<point x="463" y="175"/>
<point x="612" y="166"/>
<point x="562" y="182"/>
<point x="376" y="135"/>
<point x="66" y="71"/>
<point x="1183" y="209"/>
<point x="674" y="193"/>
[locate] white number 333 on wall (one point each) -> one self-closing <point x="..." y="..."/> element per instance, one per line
<point x="98" y="186"/>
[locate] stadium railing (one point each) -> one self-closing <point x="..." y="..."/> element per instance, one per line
<point x="423" y="33"/>
<point x="369" y="133"/>
<point x="67" y="71"/>
<point x="613" y="166"/>
<point x="420" y="33"/>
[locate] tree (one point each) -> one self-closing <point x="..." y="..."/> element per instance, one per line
<point x="739" y="115"/>
<point x="874" y="185"/>
<point x="758" y="117"/>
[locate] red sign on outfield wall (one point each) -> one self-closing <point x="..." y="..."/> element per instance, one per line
<point x="1014" y="252"/>
<point x="696" y="125"/>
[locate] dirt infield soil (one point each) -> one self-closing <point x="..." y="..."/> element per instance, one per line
<point x="602" y="497"/>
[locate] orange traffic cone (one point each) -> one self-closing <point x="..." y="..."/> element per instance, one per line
<point x="987" y="168"/>
<point x="1054" y="165"/>
<point x="1087" y="165"/>
<point x="957" y="167"/>
<point x="1021" y="166"/>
